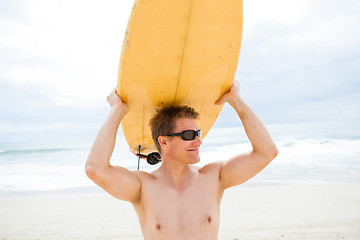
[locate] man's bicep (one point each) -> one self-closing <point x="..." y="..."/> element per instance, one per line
<point x="120" y="183"/>
<point x="241" y="168"/>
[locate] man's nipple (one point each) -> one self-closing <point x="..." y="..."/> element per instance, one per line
<point x="158" y="226"/>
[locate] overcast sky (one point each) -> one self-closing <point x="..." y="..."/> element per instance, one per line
<point x="300" y="61"/>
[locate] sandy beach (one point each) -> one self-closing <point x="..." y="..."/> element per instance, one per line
<point x="319" y="211"/>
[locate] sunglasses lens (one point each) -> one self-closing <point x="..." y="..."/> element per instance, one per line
<point x="190" y="134"/>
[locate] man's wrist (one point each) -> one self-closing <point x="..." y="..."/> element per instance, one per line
<point x="118" y="110"/>
<point x="237" y="102"/>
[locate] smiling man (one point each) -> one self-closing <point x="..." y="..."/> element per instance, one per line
<point x="179" y="200"/>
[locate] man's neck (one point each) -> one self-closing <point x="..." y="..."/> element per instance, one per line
<point x="177" y="174"/>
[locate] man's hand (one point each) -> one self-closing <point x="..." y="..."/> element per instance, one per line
<point x="116" y="103"/>
<point x="231" y="95"/>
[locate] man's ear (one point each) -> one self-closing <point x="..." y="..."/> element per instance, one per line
<point x="162" y="141"/>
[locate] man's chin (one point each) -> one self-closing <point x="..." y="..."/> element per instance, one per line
<point x="195" y="159"/>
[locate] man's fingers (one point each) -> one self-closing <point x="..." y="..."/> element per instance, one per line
<point x="220" y="101"/>
<point x="113" y="91"/>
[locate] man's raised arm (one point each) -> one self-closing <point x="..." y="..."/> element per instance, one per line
<point x="243" y="167"/>
<point x="117" y="181"/>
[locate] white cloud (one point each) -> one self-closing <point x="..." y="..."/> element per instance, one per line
<point x="299" y="59"/>
<point x="68" y="49"/>
<point x="283" y="12"/>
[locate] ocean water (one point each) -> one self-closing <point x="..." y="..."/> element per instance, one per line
<point x="309" y="153"/>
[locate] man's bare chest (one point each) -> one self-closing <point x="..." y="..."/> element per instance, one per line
<point x="195" y="204"/>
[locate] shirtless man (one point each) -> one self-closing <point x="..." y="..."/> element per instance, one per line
<point x="179" y="200"/>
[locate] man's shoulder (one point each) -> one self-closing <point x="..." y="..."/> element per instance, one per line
<point x="142" y="175"/>
<point x="213" y="167"/>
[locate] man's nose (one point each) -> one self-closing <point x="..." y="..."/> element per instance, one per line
<point x="197" y="141"/>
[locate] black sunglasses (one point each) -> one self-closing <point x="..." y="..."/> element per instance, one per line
<point x="187" y="135"/>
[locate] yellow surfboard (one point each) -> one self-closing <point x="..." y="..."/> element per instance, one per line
<point x="177" y="52"/>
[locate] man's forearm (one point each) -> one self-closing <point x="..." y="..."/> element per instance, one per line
<point x="104" y="143"/>
<point x="255" y="130"/>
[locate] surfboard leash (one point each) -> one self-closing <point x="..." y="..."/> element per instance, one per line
<point x="152" y="158"/>
<point x="139" y="156"/>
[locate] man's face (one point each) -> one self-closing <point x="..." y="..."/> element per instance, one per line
<point x="181" y="150"/>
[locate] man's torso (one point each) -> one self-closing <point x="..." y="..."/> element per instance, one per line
<point x="190" y="212"/>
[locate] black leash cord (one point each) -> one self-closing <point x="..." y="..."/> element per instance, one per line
<point x="139" y="155"/>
